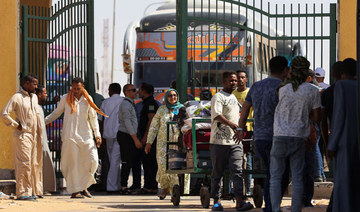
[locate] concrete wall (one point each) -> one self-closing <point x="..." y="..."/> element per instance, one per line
<point x="347" y="29"/>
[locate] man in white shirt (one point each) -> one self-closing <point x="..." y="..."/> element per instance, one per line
<point x="224" y="151"/>
<point x="79" y="157"/>
<point x="320" y="76"/>
<point x="110" y="106"/>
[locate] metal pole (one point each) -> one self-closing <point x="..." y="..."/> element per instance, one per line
<point x="358" y="69"/>
<point x="25" y="41"/>
<point x="333" y="30"/>
<point x="90" y="48"/>
<point x="113" y="43"/>
<point x="181" y="49"/>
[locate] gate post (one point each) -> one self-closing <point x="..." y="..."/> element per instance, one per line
<point x="333" y="26"/>
<point x="181" y="49"/>
<point x="90" y="49"/>
<point x="24" y="41"/>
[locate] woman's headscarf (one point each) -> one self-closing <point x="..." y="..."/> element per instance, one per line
<point x="70" y="99"/>
<point x="299" y="71"/>
<point x="176" y="105"/>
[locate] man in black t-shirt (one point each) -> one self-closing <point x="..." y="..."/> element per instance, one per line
<point x="147" y="112"/>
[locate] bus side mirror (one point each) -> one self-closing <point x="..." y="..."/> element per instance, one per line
<point x="128" y="69"/>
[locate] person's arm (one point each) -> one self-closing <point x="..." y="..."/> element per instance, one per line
<point x="92" y="117"/>
<point x="57" y="112"/>
<point x="245" y="110"/>
<point x="144" y="138"/>
<point x="5" y="114"/>
<point x="220" y="118"/>
<point x="126" y="115"/>
<point x="315" y="115"/>
<point x="324" y="126"/>
<point x="153" y="131"/>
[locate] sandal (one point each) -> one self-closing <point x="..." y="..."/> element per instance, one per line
<point x="124" y="191"/>
<point x="77" y="195"/>
<point x="86" y="194"/>
<point x="26" y="198"/>
<point x="244" y="206"/>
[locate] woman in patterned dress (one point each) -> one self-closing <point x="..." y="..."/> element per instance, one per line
<point x="164" y="114"/>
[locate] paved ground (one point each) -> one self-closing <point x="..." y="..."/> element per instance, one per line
<point x="127" y="203"/>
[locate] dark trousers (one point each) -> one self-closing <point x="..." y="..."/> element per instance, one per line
<point x="308" y="176"/>
<point x="136" y="169"/>
<point x="127" y="151"/>
<point x="263" y="148"/>
<point x="150" y="168"/>
<point x="221" y="156"/>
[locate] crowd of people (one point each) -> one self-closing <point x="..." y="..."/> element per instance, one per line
<point x="294" y="113"/>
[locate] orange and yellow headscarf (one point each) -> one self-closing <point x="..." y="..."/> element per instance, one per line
<point x="70" y="99"/>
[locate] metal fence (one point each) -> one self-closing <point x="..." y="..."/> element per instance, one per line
<point x="58" y="45"/>
<point x="218" y="35"/>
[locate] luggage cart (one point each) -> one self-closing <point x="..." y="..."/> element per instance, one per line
<point x="204" y="191"/>
<point x="257" y="170"/>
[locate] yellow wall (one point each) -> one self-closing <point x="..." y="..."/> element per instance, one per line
<point x="347" y="29"/>
<point x="9" y="68"/>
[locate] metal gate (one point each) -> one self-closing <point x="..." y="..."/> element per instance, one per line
<point x="218" y="35"/>
<point x="58" y="45"/>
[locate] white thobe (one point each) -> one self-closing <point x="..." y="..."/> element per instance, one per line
<point x="27" y="148"/>
<point x="110" y="107"/>
<point x="49" y="178"/>
<point x="79" y="157"/>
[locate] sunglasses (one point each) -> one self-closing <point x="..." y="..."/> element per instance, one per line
<point x="171" y="95"/>
<point x="133" y="90"/>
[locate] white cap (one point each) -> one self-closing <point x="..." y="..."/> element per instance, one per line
<point x="319" y="72"/>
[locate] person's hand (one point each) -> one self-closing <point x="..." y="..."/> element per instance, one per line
<point x="56" y="99"/>
<point x="98" y="142"/>
<point x="19" y="127"/>
<point x="138" y="144"/>
<point x="147" y="148"/>
<point x="233" y="126"/>
<point x="238" y="137"/>
<point x="143" y="140"/>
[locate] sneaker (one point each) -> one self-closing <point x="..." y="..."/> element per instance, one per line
<point x="318" y="179"/>
<point x="244" y="206"/>
<point x="217" y="207"/>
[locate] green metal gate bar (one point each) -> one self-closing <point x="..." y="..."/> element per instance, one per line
<point x="250" y="33"/>
<point x="58" y="45"/>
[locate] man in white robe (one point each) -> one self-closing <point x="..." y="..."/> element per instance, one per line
<point x="79" y="157"/>
<point x="49" y="178"/>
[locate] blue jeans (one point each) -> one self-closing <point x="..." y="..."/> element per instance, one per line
<point x="318" y="162"/>
<point x="263" y="148"/>
<point x="284" y="148"/>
